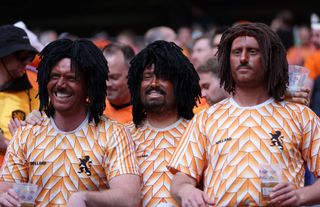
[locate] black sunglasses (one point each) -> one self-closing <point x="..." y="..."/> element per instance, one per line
<point x="24" y="56"/>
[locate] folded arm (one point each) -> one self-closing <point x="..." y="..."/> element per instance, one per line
<point x="124" y="191"/>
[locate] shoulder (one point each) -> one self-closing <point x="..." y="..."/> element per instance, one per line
<point x="296" y="108"/>
<point x="110" y="124"/>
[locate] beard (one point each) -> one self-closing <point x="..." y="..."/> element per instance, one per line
<point x="155" y="105"/>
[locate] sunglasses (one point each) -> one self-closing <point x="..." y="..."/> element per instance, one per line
<point x="25" y="56"/>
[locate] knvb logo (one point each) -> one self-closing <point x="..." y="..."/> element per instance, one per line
<point x="276" y="140"/>
<point x="85" y="164"/>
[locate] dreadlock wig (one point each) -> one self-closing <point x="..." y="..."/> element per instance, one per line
<point x="170" y="64"/>
<point x="273" y="56"/>
<point x="85" y="58"/>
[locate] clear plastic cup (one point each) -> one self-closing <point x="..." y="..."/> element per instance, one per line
<point x="27" y="193"/>
<point x="270" y="176"/>
<point x="298" y="76"/>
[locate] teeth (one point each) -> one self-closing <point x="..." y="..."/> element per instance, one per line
<point x="62" y="95"/>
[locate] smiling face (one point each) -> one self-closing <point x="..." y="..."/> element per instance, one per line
<point x="156" y="93"/>
<point x="246" y="62"/>
<point x="67" y="90"/>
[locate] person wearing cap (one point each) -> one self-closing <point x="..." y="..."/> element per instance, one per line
<point x="17" y="97"/>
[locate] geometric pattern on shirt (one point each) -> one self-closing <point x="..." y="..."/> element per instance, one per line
<point x="154" y="148"/>
<point x="231" y="143"/>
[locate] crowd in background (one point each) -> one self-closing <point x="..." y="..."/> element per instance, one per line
<point x="148" y="59"/>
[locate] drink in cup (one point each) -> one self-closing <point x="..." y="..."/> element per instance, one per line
<point x="27" y="193"/>
<point x="270" y="176"/>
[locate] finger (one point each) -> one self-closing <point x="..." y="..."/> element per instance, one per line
<point x="13" y="193"/>
<point x="207" y="199"/>
<point x="30" y="120"/>
<point x="9" y="200"/>
<point x="17" y="122"/>
<point x="23" y="123"/>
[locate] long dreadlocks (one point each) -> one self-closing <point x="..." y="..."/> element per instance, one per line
<point x="87" y="59"/>
<point x="273" y="57"/>
<point x="170" y="64"/>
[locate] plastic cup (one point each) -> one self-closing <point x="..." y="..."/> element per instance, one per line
<point x="298" y="76"/>
<point x="270" y="176"/>
<point x="27" y="193"/>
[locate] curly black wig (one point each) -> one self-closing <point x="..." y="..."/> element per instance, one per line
<point x="85" y="58"/>
<point x="273" y="56"/>
<point x="170" y="64"/>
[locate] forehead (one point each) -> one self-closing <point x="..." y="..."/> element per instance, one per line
<point x="149" y="68"/>
<point x="245" y="41"/>
<point x="204" y="42"/>
<point x="207" y="77"/>
<point x="63" y="66"/>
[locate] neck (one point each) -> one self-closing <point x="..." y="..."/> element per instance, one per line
<point x="250" y="96"/>
<point x="164" y="119"/>
<point x="68" y="123"/>
<point x="120" y="106"/>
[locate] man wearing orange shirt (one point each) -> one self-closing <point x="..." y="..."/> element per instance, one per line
<point x="164" y="89"/>
<point x="75" y="148"/>
<point x="226" y="144"/>
<point x="118" y="95"/>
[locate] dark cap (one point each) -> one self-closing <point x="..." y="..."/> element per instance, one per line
<point x="13" y="39"/>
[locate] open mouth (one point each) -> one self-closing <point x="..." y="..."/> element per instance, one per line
<point x="62" y="95"/>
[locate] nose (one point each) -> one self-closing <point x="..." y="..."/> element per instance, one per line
<point x="203" y="93"/>
<point x="61" y="82"/>
<point x="154" y="81"/>
<point x="108" y="83"/>
<point x="244" y="57"/>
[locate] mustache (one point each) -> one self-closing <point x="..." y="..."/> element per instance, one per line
<point x="60" y="90"/>
<point x="155" y="88"/>
<point x="244" y="66"/>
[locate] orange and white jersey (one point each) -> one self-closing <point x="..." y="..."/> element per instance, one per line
<point x="154" y="148"/>
<point x="61" y="163"/>
<point x="227" y="143"/>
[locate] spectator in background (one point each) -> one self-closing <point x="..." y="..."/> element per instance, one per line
<point x="313" y="64"/>
<point x="210" y="82"/>
<point x="128" y="37"/>
<point x="282" y="24"/>
<point x="118" y="103"/>
<point x="17" y="97"/>
<point x="31" y="69"/>
<point x="184" y="39"/>
<point x="160" y="33"/>
<point x="215" y="40"/>
<point x="297" y="54"/>
<point x="48" y="36"/>
<point x="202" y="51"/>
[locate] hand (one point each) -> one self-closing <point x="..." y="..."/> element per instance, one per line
<point x="15" y="124"/>
<point x="9" y="199"/>
<point x="193" y="197"/>
<point x="302" y="96"/>
<point x="77" y="199"/>
<point x="284" y="194"/>
<point x="34" y="118"/>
